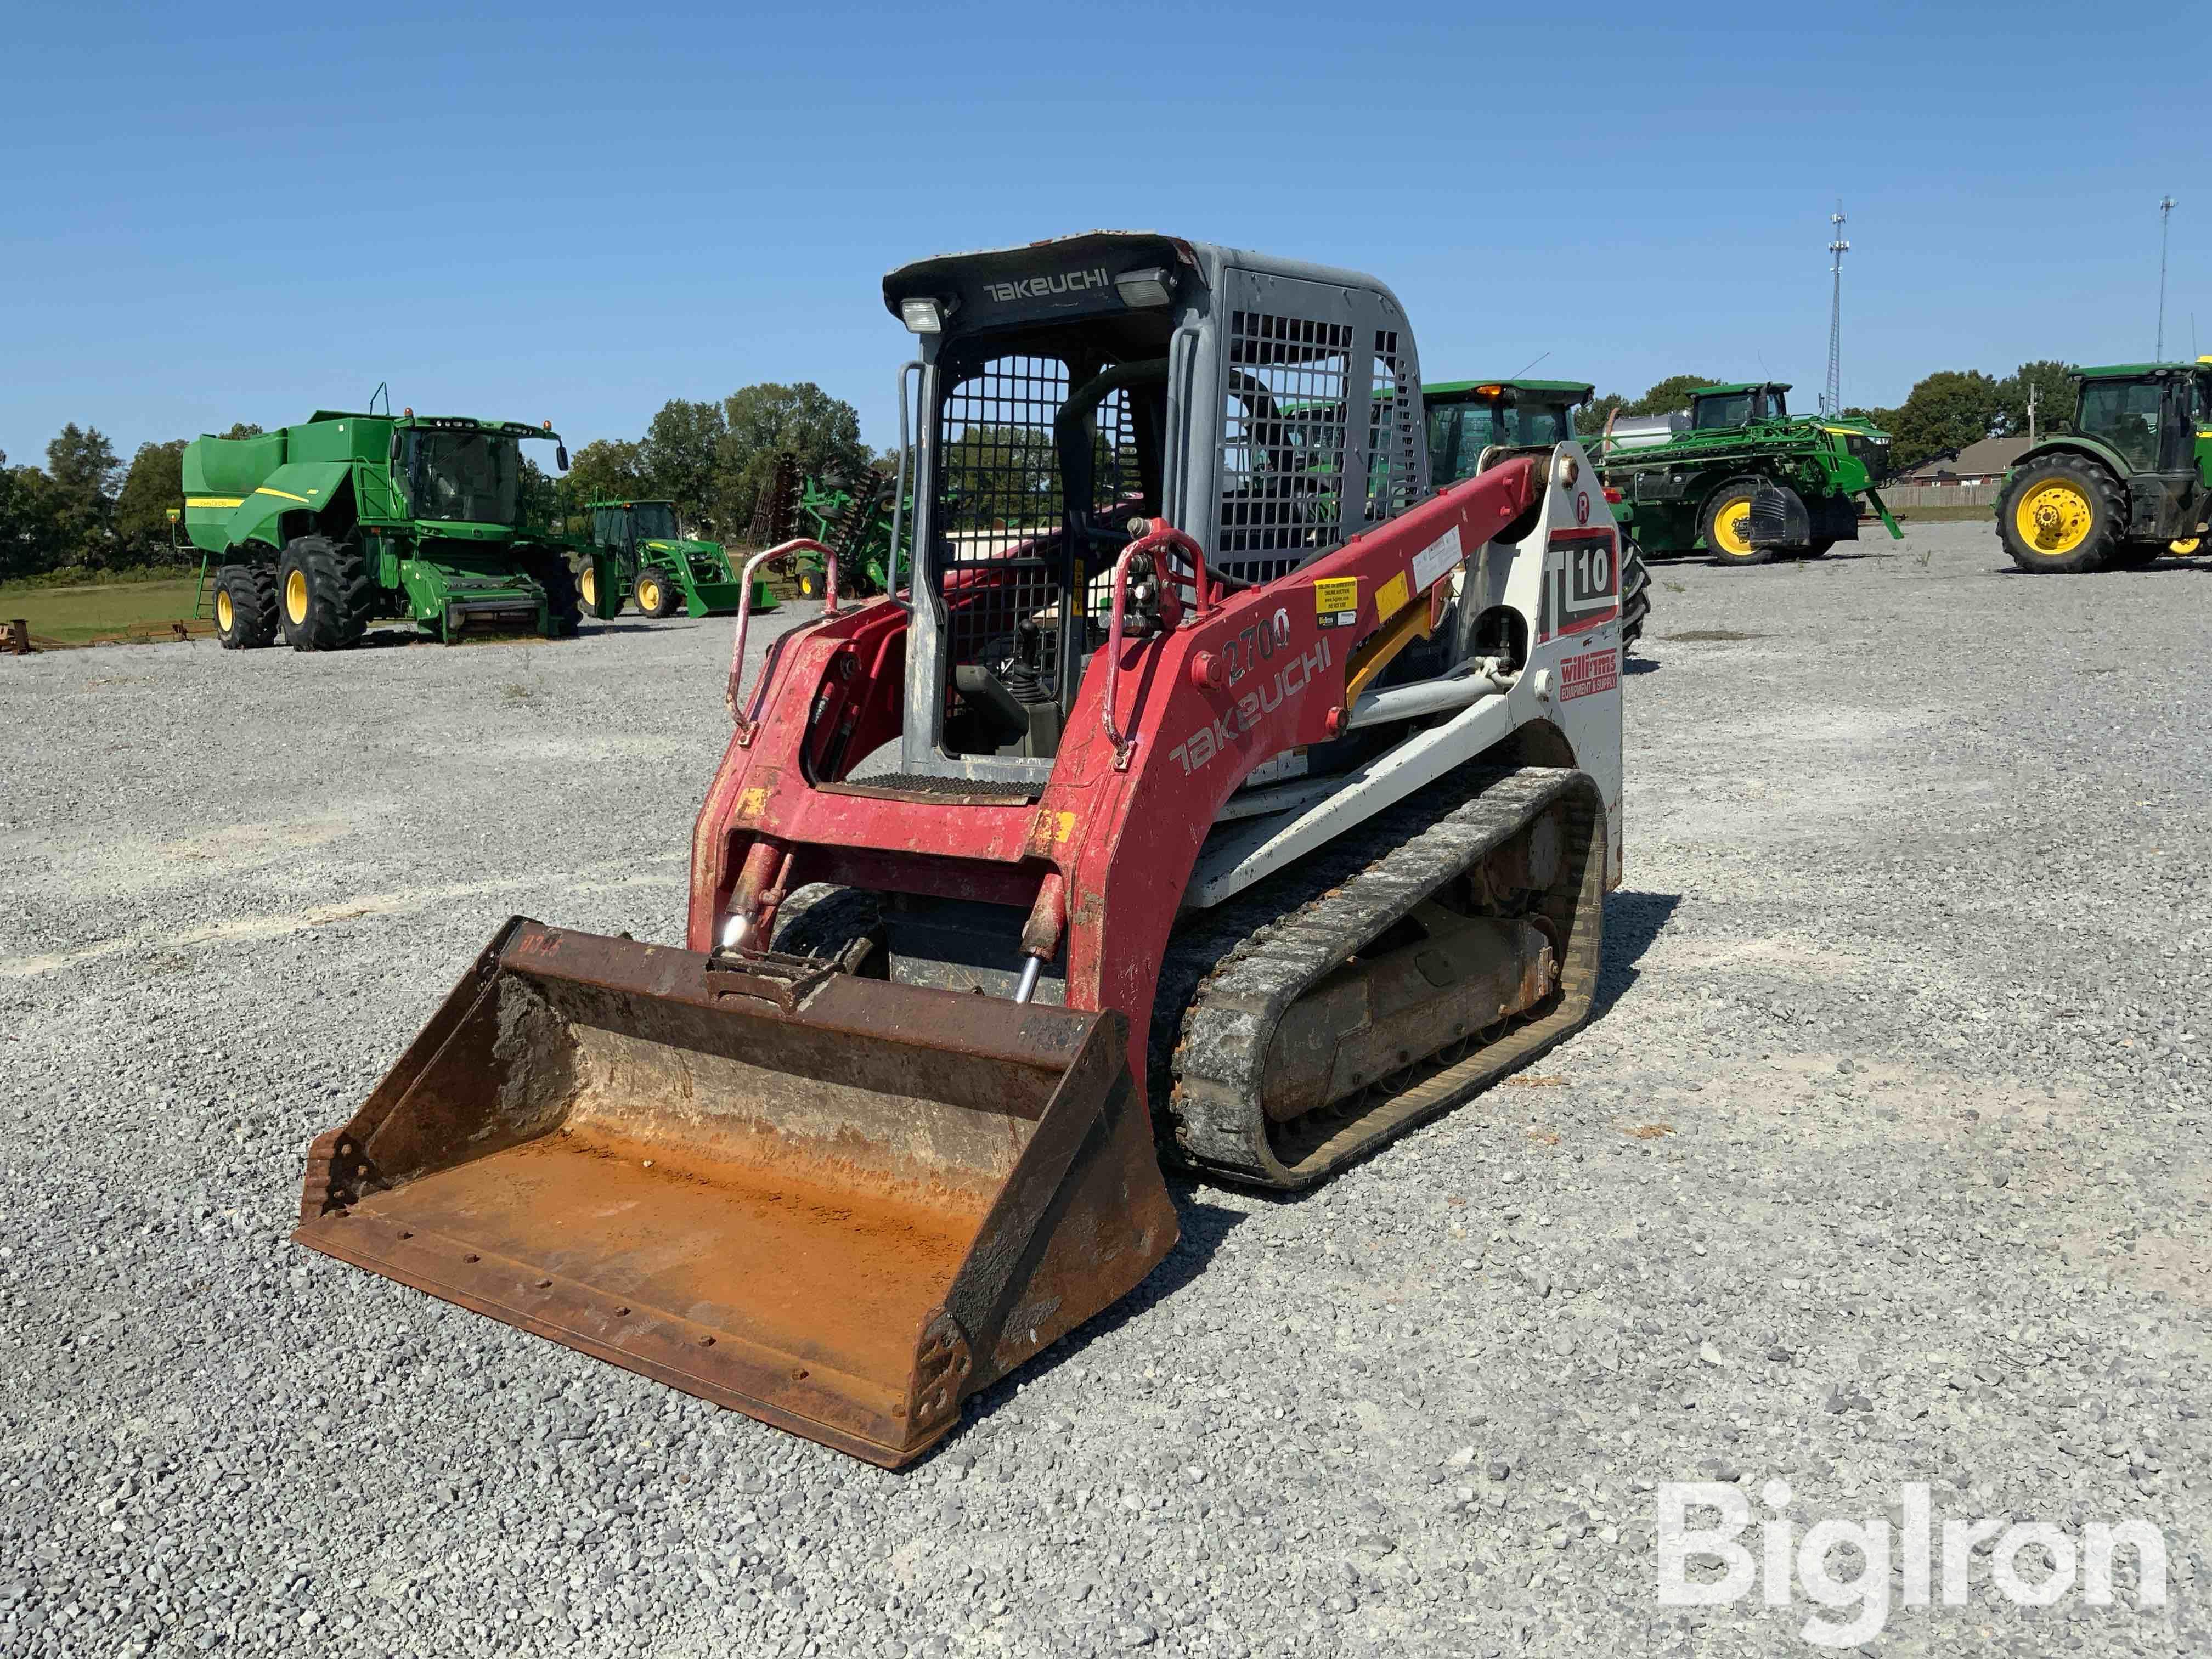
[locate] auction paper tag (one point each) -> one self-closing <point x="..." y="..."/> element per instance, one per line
<point x="1336" y="601"/>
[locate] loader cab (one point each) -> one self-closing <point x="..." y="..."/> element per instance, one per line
<point x="1718" y="407"/>
<point x="2149" y="414"/>
<point x="621" y="526"/>
<point x="1070" y="392"/>
<point x="1468" y="417"/>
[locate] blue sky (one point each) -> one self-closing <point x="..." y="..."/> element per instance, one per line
<point x="575" y="214"/>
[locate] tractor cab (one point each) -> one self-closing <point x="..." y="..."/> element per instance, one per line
<point x="2149" y="414"/>
<point x="619" y="526"/>
<point x="1468" y="418"/>
<point x="1719" y="408"/>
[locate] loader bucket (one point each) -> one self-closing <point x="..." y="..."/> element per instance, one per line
<point x="838" y="1205"/>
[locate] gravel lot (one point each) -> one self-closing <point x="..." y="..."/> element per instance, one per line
<point x="1886" y="1163"/>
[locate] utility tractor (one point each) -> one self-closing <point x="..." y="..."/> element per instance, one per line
<point x="1474" y="424"/>
<point x="643" y="556"/>
<point x="312" y="531"/>
<point x="1740" y="478"/>
<point x="1184" y="805"/>
<point x="2131" y="481"/>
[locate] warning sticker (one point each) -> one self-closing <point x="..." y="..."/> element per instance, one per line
<point x="1592" y="671"/>
<point x="1430" y="563"/>
<point x="1336" y="601"/>
<point x="1390" y="598"/>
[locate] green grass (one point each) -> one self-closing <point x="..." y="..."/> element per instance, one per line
<point x="77" y="615"/>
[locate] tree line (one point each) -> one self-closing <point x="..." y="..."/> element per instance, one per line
<point x="714" y="458"/>
<point x="86" y="512"/>
<point x="1944" y="413"/>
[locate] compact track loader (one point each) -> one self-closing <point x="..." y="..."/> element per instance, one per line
<point x="1178" y="802"/>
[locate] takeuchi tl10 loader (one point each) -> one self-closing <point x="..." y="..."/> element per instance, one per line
<point x="1176" y="799"/>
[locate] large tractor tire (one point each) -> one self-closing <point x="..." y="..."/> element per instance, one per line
<point x="655" y="594"/>
<point x="564" y="608"/>
<point x="1635" y="593"/>
<point x="587" y="587"/>
<point x="2061" y="515"/>
<point x="1724" y="522"/>
<point x="245" y="607"/>
<point x="323" y="594"/>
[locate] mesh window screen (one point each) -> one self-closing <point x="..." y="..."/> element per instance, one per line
<point x="1117" y="484"/>
<point x="1392" y="472"/>
<point x="999" y="508"/>
<point x="1282" y="442"/>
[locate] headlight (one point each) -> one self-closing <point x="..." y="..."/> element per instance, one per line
<point x="1143" y="287"/>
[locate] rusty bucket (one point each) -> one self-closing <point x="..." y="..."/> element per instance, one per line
<point x="835" y="1203"/>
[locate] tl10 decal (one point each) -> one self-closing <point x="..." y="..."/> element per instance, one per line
<point x="1289" y="680"/>
<point x="1581" y="580"/>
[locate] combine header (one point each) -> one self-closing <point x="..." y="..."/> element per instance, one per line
<point x="1186" y="799"/>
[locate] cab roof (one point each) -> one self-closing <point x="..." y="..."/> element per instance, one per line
<point x="1728" y="388"/>
<point x="2137" y="371"/>
<point x="1580" y="391"/>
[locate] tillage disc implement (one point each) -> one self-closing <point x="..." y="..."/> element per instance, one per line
<point x="1219" y="789"/>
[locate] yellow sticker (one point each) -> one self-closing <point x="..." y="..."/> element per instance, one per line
<point x="1336" y="600"/>
<point x="1063" y="827"/>
<point x="752" y="804"/>
<point x="1390" y="598"/>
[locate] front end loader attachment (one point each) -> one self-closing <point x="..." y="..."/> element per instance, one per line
<point x="839" y="1205"/>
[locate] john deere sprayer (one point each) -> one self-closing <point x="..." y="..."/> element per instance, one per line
<point x="312" y="531"/>
<point x="1474" y="425"/>
<point x="638" y="546"/>
<point x="2131" y="480"/>
<point x="1741" y="478"/>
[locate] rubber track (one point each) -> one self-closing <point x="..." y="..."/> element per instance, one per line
<point x="1227" y="983"/>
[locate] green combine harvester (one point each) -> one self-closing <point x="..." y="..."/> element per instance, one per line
<point x="1740" y="478"/>
<point x="1475" y="423"/>
<point x="636" y="551"/>
<point x="2131" y="480"/>
<point x="312" y="531"/>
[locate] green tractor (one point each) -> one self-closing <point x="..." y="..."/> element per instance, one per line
<point x="1474" y="424"/>
<point x="312" y="531"/>
<point x="636" y="550"/>
<point x="1740" y="478"/>
<point x="2132" y="479"/>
